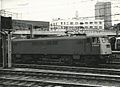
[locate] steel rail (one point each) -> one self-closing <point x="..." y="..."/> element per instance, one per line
<point x="107" y="71"/>
<point x="48" y="75"/>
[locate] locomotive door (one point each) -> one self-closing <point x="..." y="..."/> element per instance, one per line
<point x="88" y="46"/>
<point x="95" y="45"/>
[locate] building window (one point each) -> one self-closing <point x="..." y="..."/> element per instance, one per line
<point x="71" y="23"/>
<point x="86" y="27"/>
<point x="96" y="27"/>
<point x="61" y="23"/>
<point x="91" y="26"/>
<point x="81" y="27"/>
<point x="67" y="23"/>
<point x="64" y="23"/>
<point x="66" y="27"/>
<point x="86" y="22"/>
<point x="91" y="22"/>
<point x="100" y="22"/>
<point x="100" y="27"/>
<point x="81" y="23"/>
<point x="76" y="23"/>
<point x="95" y="22"/>
<point x="53" y="23"/>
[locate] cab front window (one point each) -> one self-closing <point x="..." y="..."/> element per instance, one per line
<point x="104" y="40"/>
<point x="95" y="40"/>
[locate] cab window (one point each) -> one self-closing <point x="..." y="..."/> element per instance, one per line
<point x="104" y="40"/>
<point x="88" y="40"/>
<point x="95" y="40"/>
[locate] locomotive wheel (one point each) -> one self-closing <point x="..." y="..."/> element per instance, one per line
<point x="91" y="60"/>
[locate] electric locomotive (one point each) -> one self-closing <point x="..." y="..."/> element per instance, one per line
<point x="115" y="43"/>
<point x="73" y="50"/>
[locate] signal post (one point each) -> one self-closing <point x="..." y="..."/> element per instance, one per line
<point x="6" y="28"/>
<point x="9" y="50"/>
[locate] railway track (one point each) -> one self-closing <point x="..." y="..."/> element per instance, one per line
<point x="22" y="77"/>
<point x="71" y="69"/>
<point x="116" y="58"/>
<point x="59" y="76"/>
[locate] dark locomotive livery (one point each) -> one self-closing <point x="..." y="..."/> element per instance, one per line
<point x="62" y="50"/>
<point x="115" y="43"/>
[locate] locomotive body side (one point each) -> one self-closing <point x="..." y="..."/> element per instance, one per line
<point x="50" y="46"/>
<point x="79" y="46"/>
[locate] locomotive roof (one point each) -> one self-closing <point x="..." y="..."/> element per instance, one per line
<point x="52" y="38"/>
<point x="56" y="38"/>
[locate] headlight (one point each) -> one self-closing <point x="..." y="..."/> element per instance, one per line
<point x="108" y="46"/>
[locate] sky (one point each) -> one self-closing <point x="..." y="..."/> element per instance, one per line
<point x="46" y="10"/>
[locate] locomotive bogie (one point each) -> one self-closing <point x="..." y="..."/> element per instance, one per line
<point x="59" y="59"/>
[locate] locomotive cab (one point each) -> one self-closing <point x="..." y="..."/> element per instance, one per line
<point x="105" y="46"/>
<point x="102" y="43"/>
<point x="117" y="43"/>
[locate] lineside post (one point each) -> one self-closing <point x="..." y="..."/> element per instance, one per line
<point x="6" y="26"/>
<point x="31" y="31"/>
<point x="9" y="50"/>
<point x="4" y="51"/>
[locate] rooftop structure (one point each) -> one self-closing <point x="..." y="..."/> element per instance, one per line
<point x="103" y="11"/>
